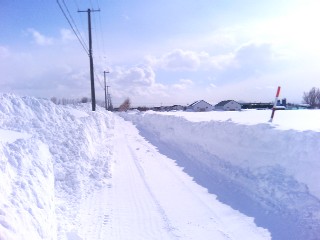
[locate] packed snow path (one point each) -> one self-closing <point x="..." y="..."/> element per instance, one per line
<point x="149" y="197"/>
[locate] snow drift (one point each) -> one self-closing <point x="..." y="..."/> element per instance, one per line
<point x="268" y="173"/>
<point x="51" y="157"/>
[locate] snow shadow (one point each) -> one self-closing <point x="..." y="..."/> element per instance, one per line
<point x="231" y="185"/>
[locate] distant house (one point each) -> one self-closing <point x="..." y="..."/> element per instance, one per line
<point x="259" y="106"/>
<point x="200" y="106"/>
<point x="158" y="109"/>
<point x="177" y="108"/>
<point x="228" y="105"/>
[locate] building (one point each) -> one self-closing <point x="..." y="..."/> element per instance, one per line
<point x="259" y="106"/>
<point x="177" y="108"/>
<point x="228" y="105"/>
<point x="200" y="106"/>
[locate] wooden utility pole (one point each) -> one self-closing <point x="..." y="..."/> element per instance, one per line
<point x="105" y="90"/>
<point x="93" y="97"/>
<point x="109" y="103"/>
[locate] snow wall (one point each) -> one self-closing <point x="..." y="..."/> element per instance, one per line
<point x="51" y="157"/>
<point x="270" y="174"/>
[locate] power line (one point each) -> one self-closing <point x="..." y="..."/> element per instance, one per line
<point x="96" y="34"/>
<point x="75" y="25"/>
<point x="99" y="39"/>
<point x="76" y="3"/>
<point x="98" y="3"/>
<point x="85" y="49"/>
<point x="76" y="31"/>
<point x="102" y="39"/>
<point x="99" y="33"/>
<point x="100" y="83"/>
<point x="91" y="4"/>
<point x="80" y="18"/>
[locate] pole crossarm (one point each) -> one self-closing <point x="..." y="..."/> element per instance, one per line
<point x="91" y="10"/>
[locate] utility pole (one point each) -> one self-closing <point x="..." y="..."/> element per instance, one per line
<point x="93" y="97"/>
<point x="108" y="99"/>
<point x="105" y="90"/>
<point x="109" y="103"/>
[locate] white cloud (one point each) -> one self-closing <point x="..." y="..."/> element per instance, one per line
<point x="67" y="35"/>
<point x="217" y="62"/>
<point x="251" y="60"/>
<point x="185" y="60"/>
<point x="39" y="38"/>
<point x="42" y="73"/>
<point x="134" y="76"/>
<point x="253" y="55"/>
<point x="125" y="17"/>
<point x="183" y="84"/>
<point x="138" y="83"/>
<point x="4" y="52"/>
<point x="178" y="60"/>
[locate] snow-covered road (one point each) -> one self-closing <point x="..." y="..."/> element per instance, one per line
<point x="149" y="197"/>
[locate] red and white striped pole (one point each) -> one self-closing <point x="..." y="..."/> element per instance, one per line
<point x="275" y="104"/>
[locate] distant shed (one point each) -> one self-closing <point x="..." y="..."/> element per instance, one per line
<point x="200" y="106"/>
<point x="228" y="105"/>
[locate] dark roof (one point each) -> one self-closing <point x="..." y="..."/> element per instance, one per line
<point x="176" y="106"/>
<point x="222" y="103"/>
<point x="196" y="102"/>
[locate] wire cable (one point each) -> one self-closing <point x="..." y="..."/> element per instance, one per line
<point x="103" y="58"/>
<point x="82" y="44"/>
<point x="97" y="76"/>
<point x="75" y="25"/>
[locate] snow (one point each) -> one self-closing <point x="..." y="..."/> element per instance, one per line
<point x="12" y="136"/>
<point x="164" y="202"/>
<point x="53" y="157"/>
<point x="247" y="161"/>
<point x="69" y="173"/>
<point x="301" y="120"/>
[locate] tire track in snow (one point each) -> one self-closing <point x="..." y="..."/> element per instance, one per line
<point x="168" y="225"/>
<point x="136" y="211"/>
<point x="126" y="207"/>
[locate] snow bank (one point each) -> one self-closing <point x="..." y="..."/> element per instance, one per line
<point x="276" y="169"/>
<point x="51" y="157"/>
<point x="300" y="120"/>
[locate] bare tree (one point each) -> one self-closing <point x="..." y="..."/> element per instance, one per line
<point x="54" y="100"/>
<point x="312" y="97"/>
<point x="125" y="106"/>
<point x="143" y="109"/>
<point x="84" y="100"/>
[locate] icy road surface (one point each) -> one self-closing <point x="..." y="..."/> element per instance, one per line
<point x="149" y="197"/>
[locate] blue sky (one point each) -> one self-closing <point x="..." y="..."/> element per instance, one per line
<point x="163" y="52"/>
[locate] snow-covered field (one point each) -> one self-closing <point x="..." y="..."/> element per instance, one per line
<point x="69" y="173"/>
